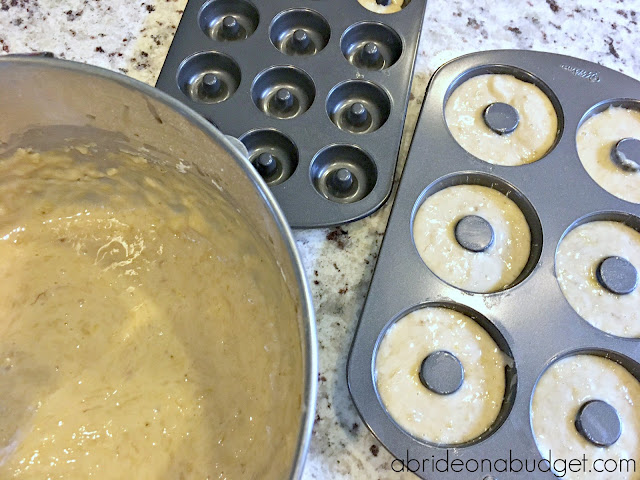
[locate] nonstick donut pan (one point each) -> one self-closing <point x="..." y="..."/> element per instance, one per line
<point x="317" y="90"/>
<point x="530" y="320"/>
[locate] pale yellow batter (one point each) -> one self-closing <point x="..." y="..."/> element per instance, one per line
<point x="393" y="7"/>
<point x="562" y="390"/>
<point x="495" y="268"/>
<point x="145" y="332"/>
<point x="529" y="142"/>
<point x="444" y="419"/>
<point x="577" y="259"/>
<point x="596" y="137"/>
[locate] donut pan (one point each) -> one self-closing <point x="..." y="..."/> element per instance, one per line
<point x="531" y="321"/>
<point x="316" y="90"/>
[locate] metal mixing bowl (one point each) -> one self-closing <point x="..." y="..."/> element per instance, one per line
<point x="46" y="102"/>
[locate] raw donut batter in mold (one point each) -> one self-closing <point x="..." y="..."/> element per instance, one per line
<point x="559" y="394"/>
<point x="596" y="137"/>
<point x="483" y="272"/>
<point x="577" y="259"/>
<point x="129" y="346"/>
<point x="393" y="7"/>
<point x="532" y="138"/>
<point x="444" y="419"/>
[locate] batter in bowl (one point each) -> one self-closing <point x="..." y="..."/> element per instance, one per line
<point x="451" y="418"/>
<point x="481" y="269"/>
<point x="563" y="390"/>
<point x="597" y="140"/>
<point x="578" y="259"/>
<point x="143" y="327"/>
<point x="526" y="137"/>
<point x="393" y="6"/>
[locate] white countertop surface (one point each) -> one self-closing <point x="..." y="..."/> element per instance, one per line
<point x="133" y="37"/>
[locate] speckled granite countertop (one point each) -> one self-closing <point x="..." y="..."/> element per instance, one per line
<point x="134" y="36"/>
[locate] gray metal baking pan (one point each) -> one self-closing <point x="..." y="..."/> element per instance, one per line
<point x="284" y="75"/>
<point x="531" y="321"/>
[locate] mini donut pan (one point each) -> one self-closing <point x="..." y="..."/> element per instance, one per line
<point x="531" y="321"/>
<point x="283" y="76"/>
